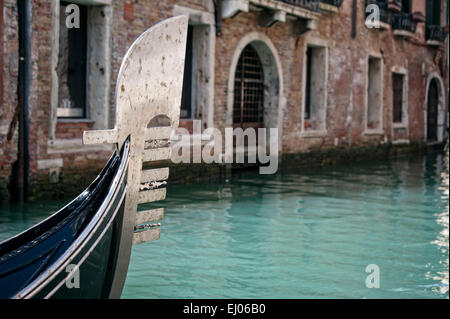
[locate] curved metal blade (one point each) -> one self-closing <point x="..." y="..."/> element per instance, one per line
<point x="149" y="85"/>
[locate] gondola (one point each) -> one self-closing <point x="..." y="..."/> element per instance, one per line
<point x="79" y="242"/>
<point x="83" y="250"/>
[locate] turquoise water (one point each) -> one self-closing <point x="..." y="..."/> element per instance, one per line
<point x="309" y="233"/>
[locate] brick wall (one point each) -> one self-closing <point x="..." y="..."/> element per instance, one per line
<point x="347" y="61"/>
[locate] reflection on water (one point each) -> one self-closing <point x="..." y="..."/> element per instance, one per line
<point x="306" y="233"/>
<point x="442" y="239"/>
<point x="15" y="218"/>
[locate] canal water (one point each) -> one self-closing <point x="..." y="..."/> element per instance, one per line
<point x="304" y="233"/>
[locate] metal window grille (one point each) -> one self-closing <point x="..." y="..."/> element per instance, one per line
<point x="248" y="88"/>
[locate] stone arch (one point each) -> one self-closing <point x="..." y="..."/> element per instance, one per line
<point x="441" y="106"/>
<point x="274" y="100"/>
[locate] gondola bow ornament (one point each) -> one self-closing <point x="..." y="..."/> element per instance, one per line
<point x="149" y="87"/>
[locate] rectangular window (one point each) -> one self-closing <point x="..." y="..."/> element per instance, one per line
<point x="308" y="83"/>
<point x="72" y="65"/>
<point x="406" y="6"/>
<point x="186" y="97"/>
<point x="397" y="96"/>
<point x="433" y="12"/>
<point x="374" y="94"/>
<point x="315" y="88"/>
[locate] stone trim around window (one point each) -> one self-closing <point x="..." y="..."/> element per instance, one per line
<point x="100" y="16"/>
<point x="321" y="130"/>
<point x="380" y="129"/>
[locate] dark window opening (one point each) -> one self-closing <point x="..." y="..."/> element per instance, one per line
<point x="433" y="13"/>
<point x="308" y="83"/>
<point x="249" y="90"/>
<point x="186" y="96"/>
<point x="432" y="111"/>
<point x="406" y="6"/>
<point x="72" y="66"/>
<point x="397" y="87"/>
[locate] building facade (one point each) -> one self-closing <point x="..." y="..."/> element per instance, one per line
<point x="329" y="74"/>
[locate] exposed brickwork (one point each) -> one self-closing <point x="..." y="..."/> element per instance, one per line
<point x="66" y="130"/>
<point x="8" y="103"/>
<point x="346" y="85"/>
<point x="40" y="87"/>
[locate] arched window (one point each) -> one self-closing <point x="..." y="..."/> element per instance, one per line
<point x="432" y="110"/>
<point x="248" y="90"/>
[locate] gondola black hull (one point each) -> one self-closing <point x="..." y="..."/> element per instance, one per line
<point x="73" y="253"/>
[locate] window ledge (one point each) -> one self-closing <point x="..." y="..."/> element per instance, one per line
<point x="75" y="145"/>
<point x="314" y="133"/>
<point x="383" y="26"/>
<point x="400" y="125"/>
<point x="374" y="132"/>
<point x="434" y="43"/>
<point x="74" y="120"/>
<point x="328" y="8"/>
<point x="231" y="8"/>
<point x="403" y="33"/>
